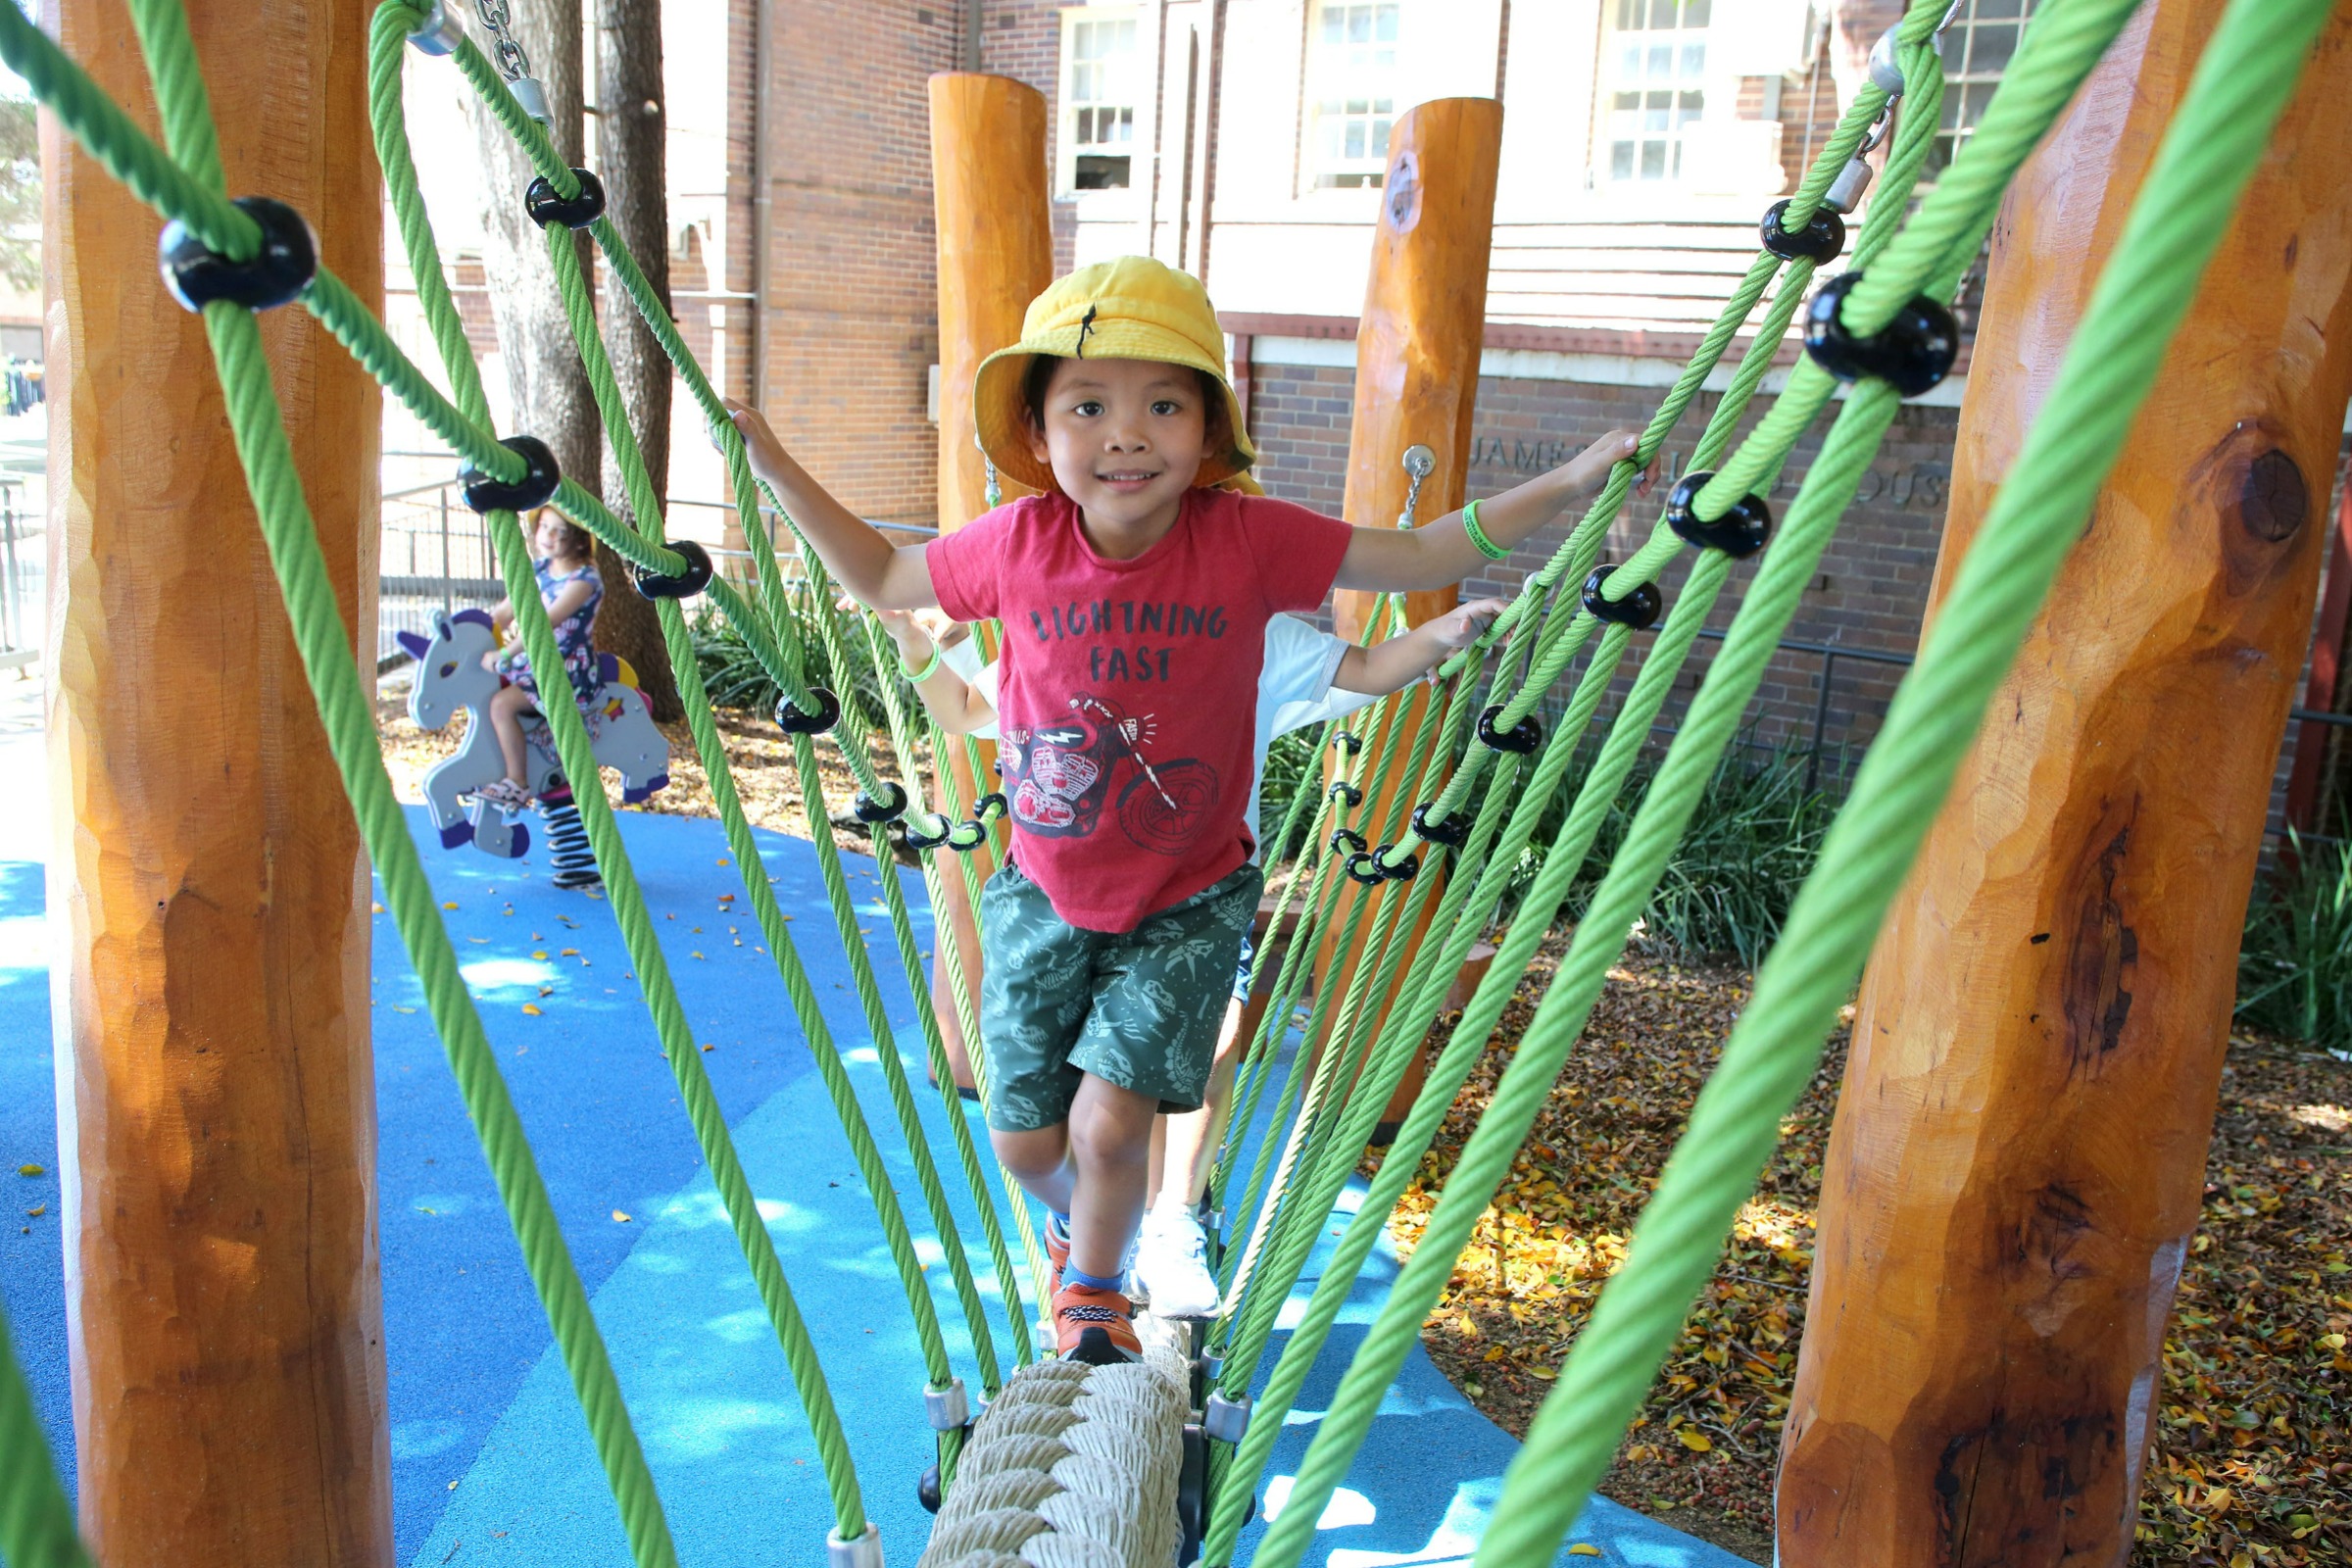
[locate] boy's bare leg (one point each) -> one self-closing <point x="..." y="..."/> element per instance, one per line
<point x="1110" y="1143"/>
<point x="1040" y="1160"/>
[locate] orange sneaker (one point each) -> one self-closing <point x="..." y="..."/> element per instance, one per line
<point x="1095" y="1326"/>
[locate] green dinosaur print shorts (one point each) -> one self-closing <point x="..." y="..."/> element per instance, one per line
<point x="1140" y="1010"/>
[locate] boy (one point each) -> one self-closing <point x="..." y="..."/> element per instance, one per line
<point x="1135" y="598"/>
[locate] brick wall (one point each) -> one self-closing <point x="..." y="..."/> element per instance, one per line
<point x="850" y="313"/>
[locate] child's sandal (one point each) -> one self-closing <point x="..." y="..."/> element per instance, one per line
<point x="505" y="794"/>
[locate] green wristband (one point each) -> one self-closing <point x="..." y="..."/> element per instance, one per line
<point x="929" y="670"/>
<point x="1478" y="536"/>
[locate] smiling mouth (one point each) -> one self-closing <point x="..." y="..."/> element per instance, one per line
<point x="1126" y="477"/>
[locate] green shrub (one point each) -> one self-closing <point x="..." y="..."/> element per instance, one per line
<point x="1292" y="763"/>
<point x="2295" y="969"/>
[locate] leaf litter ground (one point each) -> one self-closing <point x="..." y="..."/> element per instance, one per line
<point x="2253" y="1462"/>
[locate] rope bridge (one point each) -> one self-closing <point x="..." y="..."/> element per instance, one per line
<point x="1082" y="1466"/>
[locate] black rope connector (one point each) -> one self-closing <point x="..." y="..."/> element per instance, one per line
<point x="1454" y="835"/>
<point x="1370" y="869"/>
<point x="967" y="835"/>
<point x="1523" y="736"/>
<point x="1350" y="795"/>
<point x="1738" y="533"/>
<point x="1911" y="353"/>
<point x="792" y="722"/>
<point x="684" y="583"/>
<point x="918" y="838"/>
<point x="541" y="479"/>
<point x="991" y="808"/>
<point x="875" y="810"/>
<point x="1347" y="841"/>
<point x="1639" y="609"/>
<point x="1348" y="741"/>
<point x="545" y="207"/>
<point x="279" y="272"/>
<point x="1819" y="241"/>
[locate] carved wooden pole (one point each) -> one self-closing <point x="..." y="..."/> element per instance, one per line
<point x="1416" y="384"/>
<point x="2019" y="1151"/>
<point x="996" y="254"/>
<point x="216" y="1098"/>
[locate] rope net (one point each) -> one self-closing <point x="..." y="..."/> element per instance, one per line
<point x="1078" y="1465"/>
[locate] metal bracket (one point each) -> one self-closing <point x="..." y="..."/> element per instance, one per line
<point x="440" y="32"/>
<point x="1226" y="1420"/>
<point x="864" y="1553"/>
<point x="947" y="1408"/>
<point x="1420" y="463"/>
<point x="534" y="98"/>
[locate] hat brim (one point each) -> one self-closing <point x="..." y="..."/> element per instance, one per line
<point x="1003" y="422"/>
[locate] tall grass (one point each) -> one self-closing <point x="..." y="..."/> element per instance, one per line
<point x="2295" y="970"/>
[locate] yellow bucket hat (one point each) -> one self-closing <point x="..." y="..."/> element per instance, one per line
<point x="1133" y="307"/>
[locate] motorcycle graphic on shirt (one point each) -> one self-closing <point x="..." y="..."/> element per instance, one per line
<point x="1061" y="773"/>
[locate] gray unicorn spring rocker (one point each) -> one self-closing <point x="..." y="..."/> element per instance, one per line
<point x="451" y="676"/>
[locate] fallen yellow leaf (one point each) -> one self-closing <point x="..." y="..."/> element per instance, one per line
<point x="1579" y="1549"/>
<point x="620" y="1215"/>
<point x="530" y="1009"/>
<point x="1695" y="1442"/>
<point x="30" y="1171"/>
<point x="37" y="1210"/>
<point x="568" y="952"/>
<point x="449" y="906"/>
<point x="538" y="955"/>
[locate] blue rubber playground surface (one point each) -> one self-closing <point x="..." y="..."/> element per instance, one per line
<point x="491" y="1459"/>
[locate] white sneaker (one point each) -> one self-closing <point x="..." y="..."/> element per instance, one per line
<point x="1171" y="1263"/>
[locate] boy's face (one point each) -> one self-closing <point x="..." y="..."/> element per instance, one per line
<point x="1123" y="437"/>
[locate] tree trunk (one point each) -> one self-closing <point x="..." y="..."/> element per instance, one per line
<point x="545" y="382"/>
<point x="631" y="127"/>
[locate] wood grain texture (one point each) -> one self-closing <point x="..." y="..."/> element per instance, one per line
<point x="2016" y="1163"/>
<point x="996" y="254"/>
<point x="214" y="1088"/>
<point x="1416" y="382"/>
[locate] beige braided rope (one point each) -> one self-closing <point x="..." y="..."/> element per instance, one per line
<point x="1073" y="1466"/>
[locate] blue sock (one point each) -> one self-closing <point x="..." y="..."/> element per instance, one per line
<point x="1072" y="1274"/>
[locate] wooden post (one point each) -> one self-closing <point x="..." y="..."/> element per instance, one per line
<point x="216" y="1098"/>
<point x="1416" y="383"/>
<point x="996" y="254"/>
<point x="2019" y="1152"/>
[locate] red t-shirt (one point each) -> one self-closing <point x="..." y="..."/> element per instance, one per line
<point x="1128" y="688"/>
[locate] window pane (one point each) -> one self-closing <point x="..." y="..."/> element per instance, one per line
<point x="1621" y="160"/>
<point x="1695" y="60"/>
<point x="1359" y="24"/>
<point x="1978" y="95"/>
<point x="1628" y="14"/>
<point x="1380" y="139"/>
<point x="1691" y="106"/>
<point x="1661" y="15"/>
<point x="1388" y="24"/>
<point x="1989" y="48"/>
<point x="1653" y="160"/>
<point x="1995" y="7"/>
<point x="1694" y="13"/>
<point x="1661" y="62"/>
<point x="1334" y="24"/>
<point x="1628" y="62"/>
<point x="1628" y="101"/>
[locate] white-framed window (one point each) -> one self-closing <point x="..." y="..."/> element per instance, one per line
<point x="1101" y="91"/>
<point x="1654" y="66"/>
<point x="1354" y="93"/>
<point x="1978" y="43"/>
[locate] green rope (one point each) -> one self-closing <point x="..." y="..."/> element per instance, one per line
<point x="36" y="1518"/>
<point x="2241" y="86"/>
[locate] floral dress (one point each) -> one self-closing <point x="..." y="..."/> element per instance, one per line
<point x="572" y="636"/>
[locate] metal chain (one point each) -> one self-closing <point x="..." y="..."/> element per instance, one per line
<point x="504" y="49"/>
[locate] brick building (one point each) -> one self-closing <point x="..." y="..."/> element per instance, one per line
<point x="1246" y="141"/>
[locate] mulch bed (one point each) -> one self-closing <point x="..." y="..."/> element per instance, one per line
<point x="2254" y="1459"/>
